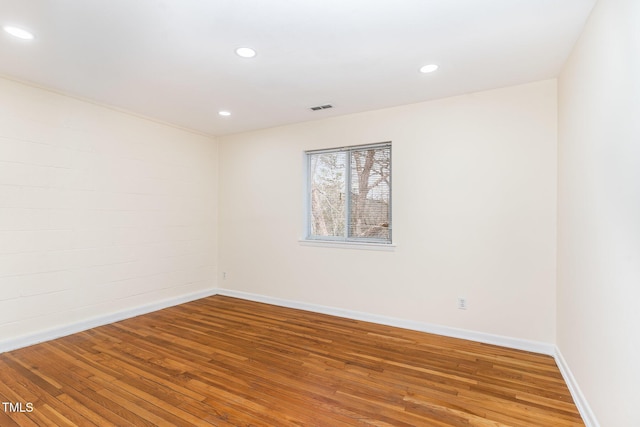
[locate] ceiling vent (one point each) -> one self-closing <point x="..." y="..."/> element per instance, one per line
<point x="321" y="107"/>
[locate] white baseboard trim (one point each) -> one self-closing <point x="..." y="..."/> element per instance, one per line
<point x="61" y="331"/>
<point x="515" y="343"/>
<point x="587" y="414"/>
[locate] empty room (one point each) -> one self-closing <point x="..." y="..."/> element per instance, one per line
<point x="320" y="213"/>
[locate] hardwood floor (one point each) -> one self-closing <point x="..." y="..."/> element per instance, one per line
<point x="227" y="362"/>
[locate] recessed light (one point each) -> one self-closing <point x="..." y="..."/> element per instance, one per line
<point x="18" y="32"/>
<point x="224" y="113"/>
<point x="428" y="68"/>
<point x="245" y="52"/>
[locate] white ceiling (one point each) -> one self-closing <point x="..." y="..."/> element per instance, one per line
<point x="174" y="60"/>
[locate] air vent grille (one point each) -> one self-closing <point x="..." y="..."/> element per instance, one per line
<point x="321" y="107"/>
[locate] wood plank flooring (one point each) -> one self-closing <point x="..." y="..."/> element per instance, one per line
<point x="227" y="362"/>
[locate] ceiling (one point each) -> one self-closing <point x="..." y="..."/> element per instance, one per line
<point x="175" y="61"/>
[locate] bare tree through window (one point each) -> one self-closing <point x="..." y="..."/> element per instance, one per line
<point x="350" y="193"/>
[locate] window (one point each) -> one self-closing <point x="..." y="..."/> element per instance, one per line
<point x="349" y="194"/>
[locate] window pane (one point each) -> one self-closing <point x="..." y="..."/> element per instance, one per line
<point x="327" y="174"/>
<point x="370" y="193"/>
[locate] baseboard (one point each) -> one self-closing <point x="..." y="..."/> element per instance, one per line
<point x="61" y="331"/>
<point x="515" y="343"/>
<point x="587" y="414"/>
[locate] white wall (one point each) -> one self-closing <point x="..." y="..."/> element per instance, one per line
<point x="599" y="212"/>
<point x="100" y="211"/>
<point x="474" y="211"/>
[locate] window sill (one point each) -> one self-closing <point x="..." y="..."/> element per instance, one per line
<point x="389" y="247"/>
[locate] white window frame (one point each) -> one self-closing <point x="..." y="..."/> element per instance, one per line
<point x="345" y="240"/>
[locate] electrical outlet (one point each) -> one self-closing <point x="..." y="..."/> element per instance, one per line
<point x="224" y="275"/>
<point x="462" y="303"/>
